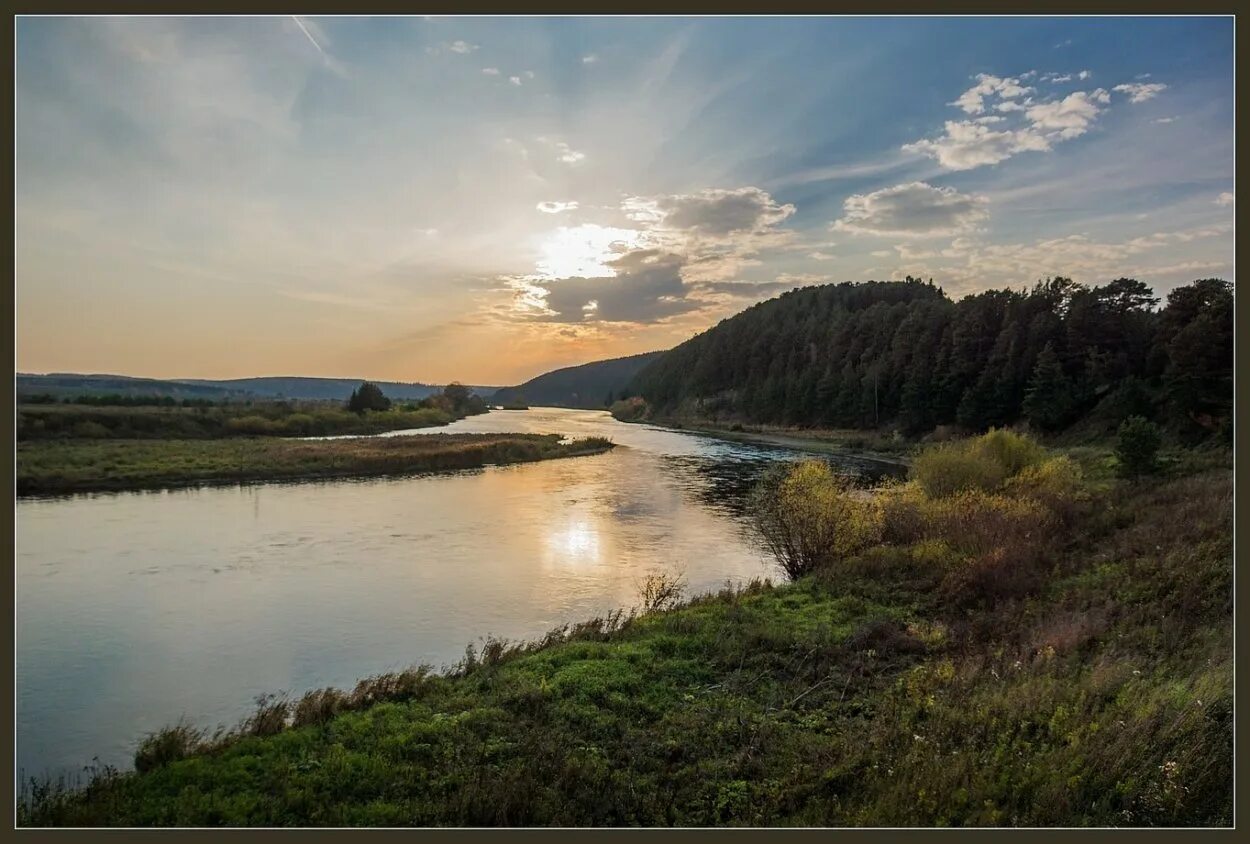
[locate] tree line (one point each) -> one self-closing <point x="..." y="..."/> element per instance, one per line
<point x="904" y="354"/>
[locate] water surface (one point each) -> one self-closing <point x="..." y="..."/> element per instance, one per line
<point x="136" y="609"/>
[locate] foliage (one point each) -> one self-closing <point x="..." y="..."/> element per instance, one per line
<point x="904" y="354"/>
<point x="368" y="397"/>
<point x="632" y="409"/>
<point x="1137" y="447"/>
<point x="983" y="463"/>
<point x="809" y="517"/>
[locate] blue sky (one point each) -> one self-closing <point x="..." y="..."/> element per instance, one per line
<point x="484" y="199"/>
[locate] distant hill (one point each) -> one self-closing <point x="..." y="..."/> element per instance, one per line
<point x="66" y="385"/>
<point x="299" y="387"/>
<point x="62" y="385"/>
<point x="587" y="385"/>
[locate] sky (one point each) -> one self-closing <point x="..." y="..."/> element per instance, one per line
<point x="485" y="199"/>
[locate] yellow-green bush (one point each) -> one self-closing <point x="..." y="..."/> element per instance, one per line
<point x="1057" y="483"/>
<point x="984" y="463"/>
<point x="807" y="516"/>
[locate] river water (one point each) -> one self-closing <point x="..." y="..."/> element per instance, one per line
<point x="137" y="609"/>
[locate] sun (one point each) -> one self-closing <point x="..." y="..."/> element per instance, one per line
<point x="584" y="250"/>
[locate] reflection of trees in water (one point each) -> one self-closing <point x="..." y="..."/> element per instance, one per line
<point x="725" y="483"/>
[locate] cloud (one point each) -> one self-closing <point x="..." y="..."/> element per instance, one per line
<point x="972" y="101"/>
<point x="818" y="255"/>
<point x="556" y="207"/>
<point x="647" y="288"/>
<point x="1164" y="120"/>
<point x="589" y="58"/>
<point x="462" y="47"/>
<point x="1139" y="92"/>
<point x="710" y="212"/>
<point x="916" y="209"/>
<point x="1070" y="117"/>
<point x="1224" y="199"/>
<point x="756" y="290"/>
<point x="491" y="71"/>
<point x="515" y="80"/>
<point x="966" y="144"/>
<point x="569" y="155"/>
<point x="968" y="266"/>
<point x="1085" y="74"/>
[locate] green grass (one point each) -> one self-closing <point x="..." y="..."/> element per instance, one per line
<point x="232" y="419"/>
<point x="54" y="467"/>
<point x="864" y="695"/>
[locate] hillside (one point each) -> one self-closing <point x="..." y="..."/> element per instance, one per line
<point x="904" y="355"/>
<point x="593" y="384"/>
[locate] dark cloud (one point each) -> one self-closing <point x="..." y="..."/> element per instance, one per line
<point x="712" y="213"/>
<point x="916" y="209"/>
<point x="647" y="287"/>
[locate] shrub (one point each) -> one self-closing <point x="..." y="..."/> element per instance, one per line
<point x="660" y="590"/>
<point x="951" y="468"/>
<point x="1058" y="484"/>
<point x="983" y="463"/>
<point x="1012" y="451"/>
<point x="808" y="517"/>
<point x="1137" y="448"/>
<point x="167" y="745"/>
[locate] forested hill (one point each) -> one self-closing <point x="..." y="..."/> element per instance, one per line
<point x="594" y="384"/>
<point x="903" y="354"/>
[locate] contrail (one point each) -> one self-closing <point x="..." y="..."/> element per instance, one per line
<point x="304" y="29"/>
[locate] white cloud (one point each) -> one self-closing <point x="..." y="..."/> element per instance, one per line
<point x="589" y="58"/>
<point x="529" y="74"/>
<point x="569" y="155"/>
<point x="1085" y="74"/>
<point x="916" y="209"/>
<point x="972" y="101"/>
<point x="1224" y="199"/>
<point x="1070" y="117"/>
<point x="515" y="80"/>
<point x="1139" y="92"/>
<point x="491" y="71"/>
<point x="461" y="47"/>
<point x="819" y="255"/>
<point x="966" y="144"/>
<point x="556" y="207"/>
<point x="1164" y="120"/>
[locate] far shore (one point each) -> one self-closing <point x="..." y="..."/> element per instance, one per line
<point x="46" y="468"/>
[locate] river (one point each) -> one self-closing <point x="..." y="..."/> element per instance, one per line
<point x="137" y="609"/>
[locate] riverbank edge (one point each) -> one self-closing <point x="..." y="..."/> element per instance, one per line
<point x="818" y="443"/>
<point x="38" y="491"/>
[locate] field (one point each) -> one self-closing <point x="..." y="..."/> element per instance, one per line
<point x="65" y="466"/>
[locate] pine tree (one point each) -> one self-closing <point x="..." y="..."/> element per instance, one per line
<point x="1048" y="401"/>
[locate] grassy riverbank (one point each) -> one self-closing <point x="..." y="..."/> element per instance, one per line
<point x="54" y="467"/>
<point x="1052" y="648"/>
<point x="239" y="419"/>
